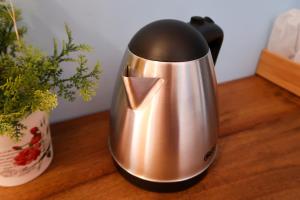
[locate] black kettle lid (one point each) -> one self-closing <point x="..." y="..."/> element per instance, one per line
<point x="169" y="41"/>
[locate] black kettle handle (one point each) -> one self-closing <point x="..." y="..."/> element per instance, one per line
<point x="211" y="32"/>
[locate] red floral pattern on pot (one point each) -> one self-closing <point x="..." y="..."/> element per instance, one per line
<point x="24" y="160"/>
<point x="27" y="155"/>
<point x="34" y="130"/>
<point x="31" y="151"/>
<point x="36" y="138"/>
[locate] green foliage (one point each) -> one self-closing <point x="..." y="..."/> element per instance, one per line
<point x="7" y="34"/>
<point x="31" y="80"/>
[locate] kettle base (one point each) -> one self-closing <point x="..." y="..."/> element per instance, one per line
<point x="166" y="186"/>
<point x="159" y="186"/>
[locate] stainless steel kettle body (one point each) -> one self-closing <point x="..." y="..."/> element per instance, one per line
<point x="164" y="117"/>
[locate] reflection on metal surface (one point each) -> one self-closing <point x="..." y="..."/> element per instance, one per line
<point x="164" y="118"/>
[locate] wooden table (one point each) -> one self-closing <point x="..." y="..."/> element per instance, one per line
<point x="259" y="154"/>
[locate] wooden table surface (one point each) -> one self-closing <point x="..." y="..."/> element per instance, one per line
<point x="259" y="153"/>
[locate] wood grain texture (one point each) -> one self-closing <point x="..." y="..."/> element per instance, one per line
<point x="259" y="154"/>
<point x="280" y="70"/>
<point x="250" y="101"/>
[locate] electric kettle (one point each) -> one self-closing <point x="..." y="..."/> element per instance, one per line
<point x="164" y="116"/>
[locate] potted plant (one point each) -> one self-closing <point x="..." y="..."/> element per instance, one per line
<point x="30" y="83"/>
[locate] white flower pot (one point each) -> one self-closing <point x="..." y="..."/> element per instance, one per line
<point x="22" y="161"/>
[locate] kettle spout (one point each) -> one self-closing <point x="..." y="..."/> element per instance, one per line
<point x="140" y="90"/>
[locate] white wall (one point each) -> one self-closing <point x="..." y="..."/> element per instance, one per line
<point x="108" y="25"/>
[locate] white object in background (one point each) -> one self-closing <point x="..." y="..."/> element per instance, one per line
<point x="22" y="161"/>
<point x="297" y="57"/>
<point x="284" y="38"/>
<point x="297" y="54"/>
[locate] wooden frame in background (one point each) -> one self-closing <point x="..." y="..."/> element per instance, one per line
<point x="279" y="70"/>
